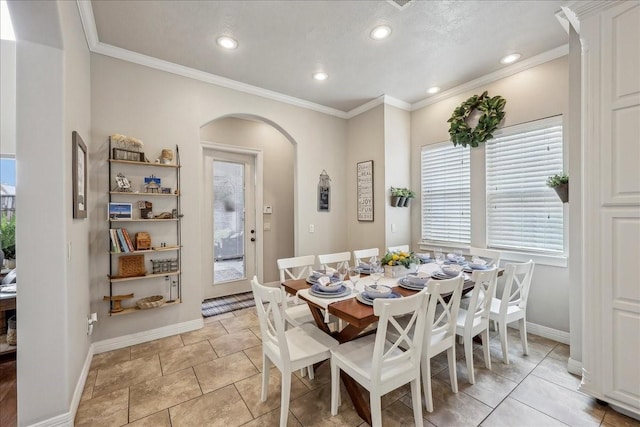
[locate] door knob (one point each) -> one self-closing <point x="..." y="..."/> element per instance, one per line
<point x="253" y="239"/>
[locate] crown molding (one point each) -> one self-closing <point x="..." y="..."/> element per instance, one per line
<point x="88" y="23"/>
<point x="518" y="67"/>
<point x="583" y="9"/>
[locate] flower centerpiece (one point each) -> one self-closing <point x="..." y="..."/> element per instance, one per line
<point x="398" y="264"/>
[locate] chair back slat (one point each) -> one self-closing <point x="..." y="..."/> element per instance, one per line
<point x="492" y="257"/>
<point x="269" y="307"/>
<point x="363" y="255"/>
<point x="295" y="268"/>
<point x="483" y="292"/>
<point x="335" y="260"/>
<point x="410" y="337"/>
<point x="517" y="284"/>
<point x="445" y="321"/>
<point x="401" y="248"/>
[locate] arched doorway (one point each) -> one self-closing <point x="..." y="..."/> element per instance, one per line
<point x="249" y="218"/>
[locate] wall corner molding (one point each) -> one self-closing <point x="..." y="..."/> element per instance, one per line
<point x="574" y="367"/>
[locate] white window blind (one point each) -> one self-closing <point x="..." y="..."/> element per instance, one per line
<point x="446" y="198"/>
<point x="522" y="212"/>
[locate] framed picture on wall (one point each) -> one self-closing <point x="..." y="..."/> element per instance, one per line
<point x="79" y="175"/>
<point x="364" y="187"/>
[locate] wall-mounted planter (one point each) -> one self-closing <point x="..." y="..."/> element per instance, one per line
<point x="398" y="201"/>
<point x="562" y="191"/>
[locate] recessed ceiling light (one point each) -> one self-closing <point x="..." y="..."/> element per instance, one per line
<point x="320" y="76"/>
<point x="381" y="32"/>
<point x="227" y="42"/>
<point x="509" y="59"/>
<point x="433" y="90"/>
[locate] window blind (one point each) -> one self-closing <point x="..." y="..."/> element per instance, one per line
<point x="522" y="212"/>
<point x="446" y="197"/>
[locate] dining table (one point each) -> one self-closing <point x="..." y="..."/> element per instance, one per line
<point x="358" y="318"/>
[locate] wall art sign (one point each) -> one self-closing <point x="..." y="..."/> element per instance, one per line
<point x="365" y="190"/>
<point x="79" y="175"/>
<point x="324" y="192"/>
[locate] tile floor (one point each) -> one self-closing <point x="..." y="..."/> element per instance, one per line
<point x="211" y="377"/>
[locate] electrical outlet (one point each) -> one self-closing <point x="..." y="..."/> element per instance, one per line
<point x="312" y="228"/>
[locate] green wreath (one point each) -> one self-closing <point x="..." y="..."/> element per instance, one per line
<point x="492" y="114"/>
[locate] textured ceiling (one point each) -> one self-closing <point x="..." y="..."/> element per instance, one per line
<point x="433" y="43"/>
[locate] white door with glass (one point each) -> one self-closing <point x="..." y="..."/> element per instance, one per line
<point x="230" y="219"/>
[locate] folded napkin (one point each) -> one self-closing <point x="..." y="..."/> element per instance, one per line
<point x="478" y="261"/>
<point x="9" y="289"/>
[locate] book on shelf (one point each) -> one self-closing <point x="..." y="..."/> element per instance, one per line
<point x="115" y="246"/>
<point x="123" y="243"/>
<point x="127" y="238"/>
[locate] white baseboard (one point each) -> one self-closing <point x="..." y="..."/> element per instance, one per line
<point x="574" y="367"/>
<point x="145" y="336"/>
<point x="64" y="420"/>
<point x="544" y="331"/>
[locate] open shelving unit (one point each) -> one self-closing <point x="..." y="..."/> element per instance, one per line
<point x="145" y="283"/>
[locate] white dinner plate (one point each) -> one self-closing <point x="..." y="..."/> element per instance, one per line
<point x="330" y="295"/>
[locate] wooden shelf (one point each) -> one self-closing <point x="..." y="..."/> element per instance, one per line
<point x="144" y="220"/>
<point x="156" y="165"/>
<point x="148" y="251"/>
<point x="130" y="310"/>
<point x="115" y="279"/>
<point x="6" y="348"/>
<point x="139" y="194"/>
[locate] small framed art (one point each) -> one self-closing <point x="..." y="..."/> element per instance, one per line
<point x="79" y="175"/>
<point x="120" y="211"/>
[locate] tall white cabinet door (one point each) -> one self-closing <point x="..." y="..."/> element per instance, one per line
<point x="611" y="165"/>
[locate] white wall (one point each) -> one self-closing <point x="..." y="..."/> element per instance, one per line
<point x="7" y="97"/>
<point x="277" y="181"/>
<point x="366" y="142"/>
<point x="164" y="109"/>
<point x="536" y="93"/>
<point x="397" y="150"/>
<point x="52" y="99"/>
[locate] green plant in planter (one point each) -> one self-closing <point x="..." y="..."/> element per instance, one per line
<point x="558" y="179"/>
<point x="410" y="194"/>
<point x="8" y="237"/>
<point x="397" y="192"/>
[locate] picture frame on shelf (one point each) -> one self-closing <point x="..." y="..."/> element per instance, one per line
<point x="79" y="175"/>
<point x="120" y="211"/>
<point x="128" y="155"/>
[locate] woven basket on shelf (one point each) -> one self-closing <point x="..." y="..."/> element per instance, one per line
<point x="150" y="302"/>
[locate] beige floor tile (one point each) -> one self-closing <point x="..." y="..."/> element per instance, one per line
<point x="539" y="348"/>
<point x="489" y="388"/>
<point x="209" y="331"/>
<point x="322" y="376"/>
<point x="125" y="374"/>
<point x="185" y="357"/>
<point x="517" y="369"/>
<point x="256" y="331"/>
<point x="243" y="311"/>
<point x="240" y="323"/>
<point x="399" y="414"/>
<point x="159" y="419"/>
<point x="234" y="342"/>
<point x="160" y="393"/>
<point x="110" y="358"/>
<point x="561" y="352"/>
<point x="555" y="370"/>
<point x="255" y="355"/>
<point x="513" y="413"/>
<point x="251" y="388"/>
<point x="570" y="407"/>
<point x="273" y="419"/>
<point x="314" y="409"/>
<point x="447" y="407"/>
<point x="155" y="346"/>
<point x="110" y="409"/>
<point x="614" y="418"/>
<point x="87" y="392"/>
<point x="222" y="408"/>
<point x="224" y="371"/>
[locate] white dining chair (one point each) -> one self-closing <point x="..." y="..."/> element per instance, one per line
<point x="288" y="349"/>
<point x="491" y="256"/>
<point x="335" y="260"/>
<point x="440" y="331"/>
<point x="296" y="268"/>
<point x="513" y="304"/>
<point x="364" y="255"/>
<point x="401" y="248"/>
<point x="380" y="365"/>
<point x="475" y="319"/>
